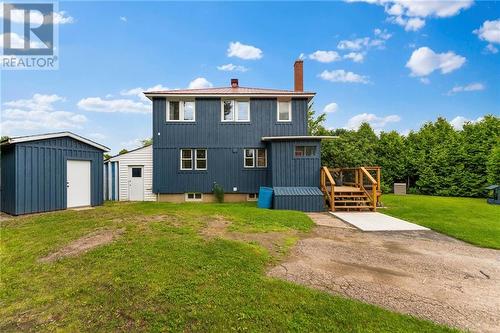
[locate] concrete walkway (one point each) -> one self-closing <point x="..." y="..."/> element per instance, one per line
<point x="372" y="221"/>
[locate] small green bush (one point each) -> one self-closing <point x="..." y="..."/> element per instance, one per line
<point x="219" y="193"/>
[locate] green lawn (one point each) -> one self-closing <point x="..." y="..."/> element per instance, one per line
<point x="161" y="275"/>
<point x="468" y="219"/>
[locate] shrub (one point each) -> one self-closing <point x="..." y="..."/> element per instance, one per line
<point x="218" y="193"/>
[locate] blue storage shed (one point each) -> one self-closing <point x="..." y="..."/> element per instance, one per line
<point x="306" y="199"/>
<point x="47" y="172"/>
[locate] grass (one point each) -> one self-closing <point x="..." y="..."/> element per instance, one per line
<point x="161" y="275"/>
<point x="469" y="219"/>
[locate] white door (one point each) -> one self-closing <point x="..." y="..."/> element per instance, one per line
<point x="136" y="183"/>
<point x="78" y="183"/>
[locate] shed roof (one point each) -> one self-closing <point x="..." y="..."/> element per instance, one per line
<point x="297" y="137"/>
<point x="492" y="187"/>
<point x="230" y="91"/>
<point x="115" y="157"/>
<point x="37" y="137"/>
<point x="297" y="191"/>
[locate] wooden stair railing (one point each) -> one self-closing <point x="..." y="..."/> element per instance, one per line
<point x="359" y="188"/>
<point x="325" y="176"/>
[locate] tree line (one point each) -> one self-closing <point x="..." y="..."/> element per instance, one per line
<point x="437" y="159"/>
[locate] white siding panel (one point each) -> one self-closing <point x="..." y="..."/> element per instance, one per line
<point x="139" y="157"/>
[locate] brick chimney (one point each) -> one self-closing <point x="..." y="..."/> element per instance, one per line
<point x="298" y="75"/>
<point x="234" y="83"/>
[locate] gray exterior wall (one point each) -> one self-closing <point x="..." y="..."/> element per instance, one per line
<point x="39" y="174"/>
<point x="288" y="170"/>
<point x="224" y="143"/>
<point x="305" y="203"/>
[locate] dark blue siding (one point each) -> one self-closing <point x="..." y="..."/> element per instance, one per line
<point x="8" y="180"/>
<point x="225" y="143"/>
<point x="288" y="170"/>
<point x="40" y="173"/>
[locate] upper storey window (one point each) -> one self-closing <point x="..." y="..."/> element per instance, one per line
<point x="234" y="110"/>
<point x="181" y="111"/>
<point x="284" y="111"/>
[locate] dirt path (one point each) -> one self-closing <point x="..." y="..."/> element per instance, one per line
<point x="422" y="273"/>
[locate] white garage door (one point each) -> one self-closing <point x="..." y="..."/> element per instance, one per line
<point x="78" y="183"/>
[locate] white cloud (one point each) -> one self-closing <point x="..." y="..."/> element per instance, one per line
<point x="382" y="34"/>
<point x="132" y="144"/>
<point x="242" y="51"/>
<point x="139" y="91"/>
<point x="199" y="83"/>
<point x="491" y="48"/>
<point x="355" y="56"/>
<point x="38" y="113"/>
<point x="459" y="121"/>
<point x="355" y="44"/>
<point x="97" y="104"/>
<point x="36" y="18"/>
<point x="411" y="13"/>
<point x="425" y="80"/>
<point x="376" y="122"/>
<point x="424" y="61"/>
<point x="331" y="108"/>
<point x="490" y="32"/>
<point x="341" y="75"/>
<point x="324" y="56"/>
<point x="123" y="18"/>
<point x="17" y="41"/>
<point x="232" y="68"/>
<point x="470" y="87"/>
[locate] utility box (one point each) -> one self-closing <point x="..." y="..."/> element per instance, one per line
<point x="400" y="188"/>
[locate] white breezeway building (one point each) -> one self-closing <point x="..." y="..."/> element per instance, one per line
<point x="129" y="176"/>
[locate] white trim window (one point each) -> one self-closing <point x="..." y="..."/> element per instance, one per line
<point x="255" y="158"/>
<point x="184" y="111"/>
<point x="200" y="159"/>
<point x="193" y="196"/>
<point x="186" y="159"/>
<point x="284" y="111"/>
<point x="235" y="110"/>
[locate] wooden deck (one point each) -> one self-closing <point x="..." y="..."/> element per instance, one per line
<point x="346" y="189"/>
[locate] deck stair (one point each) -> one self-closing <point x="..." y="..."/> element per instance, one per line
<point x="360" y="190"/>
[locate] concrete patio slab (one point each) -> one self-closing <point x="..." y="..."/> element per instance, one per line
<point x="372" y="221"/>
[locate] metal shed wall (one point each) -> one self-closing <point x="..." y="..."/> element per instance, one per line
<point x="306" y="199"/>
<point x="8" y="179"/>
<point x="40" y="174"/>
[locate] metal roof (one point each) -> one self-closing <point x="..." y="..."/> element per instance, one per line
<point x="230" y="91"/>
<point x="37" y="137"/>
<point x="297" y="191"/>
<point x="297" y="137"/>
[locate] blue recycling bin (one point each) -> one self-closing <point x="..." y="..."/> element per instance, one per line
<point x="265" y="197"/>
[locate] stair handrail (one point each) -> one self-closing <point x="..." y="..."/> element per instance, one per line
<point x="324" y="175"/>
<point x="373" y="197"/>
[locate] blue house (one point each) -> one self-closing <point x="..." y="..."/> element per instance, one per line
<point x="240" y="138"/>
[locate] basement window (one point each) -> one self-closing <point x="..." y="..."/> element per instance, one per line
<point x="252" y="196"/>
<point x="193" y="196"/>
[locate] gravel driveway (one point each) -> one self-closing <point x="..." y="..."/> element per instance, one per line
<point x="422" y="273"/>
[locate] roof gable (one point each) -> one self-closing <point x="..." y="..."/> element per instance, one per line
<point x="28" y="138"/>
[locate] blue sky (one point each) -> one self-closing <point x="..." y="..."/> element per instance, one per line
<point x="396" y="65"/>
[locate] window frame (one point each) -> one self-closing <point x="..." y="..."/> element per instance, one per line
<point x="181" y="159"/>
<point x="245" y="158"/>
<point x="201" y="159"/>
<point x="182" y="105"/>
<point x="304" y="151"/>
<point x="255" y="198"/>
<point x="186" y="196"/>
<point x="289" y="102"/>
<point x="235" y="111"/>
<point x="254" y="158"/>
